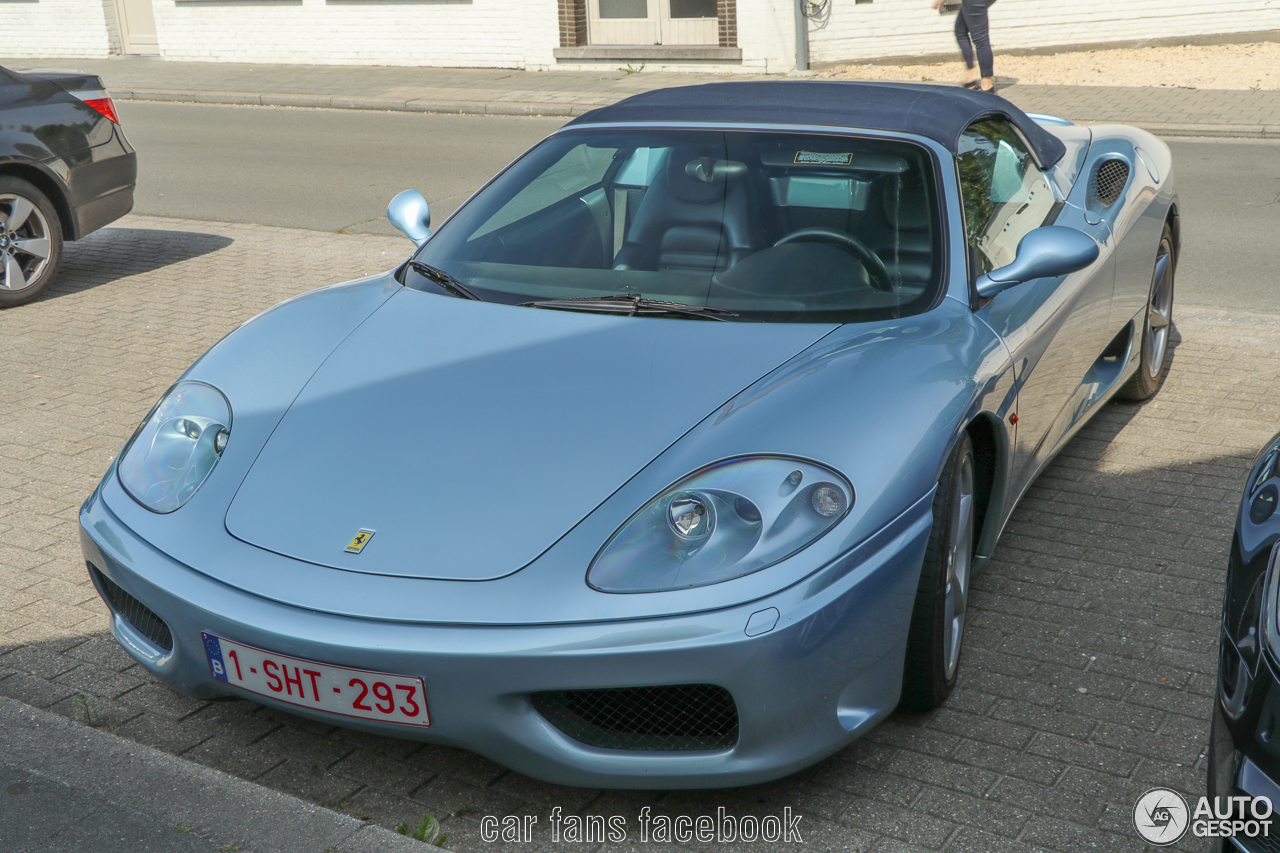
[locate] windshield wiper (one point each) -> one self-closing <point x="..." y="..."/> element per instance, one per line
<point x="631" y="304"/>
<point x="446" y="281"/>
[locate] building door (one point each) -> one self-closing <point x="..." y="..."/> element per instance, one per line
<point x="690" y="22"/>
<point x="652" y="22"/>
<point x="137" y="27"/>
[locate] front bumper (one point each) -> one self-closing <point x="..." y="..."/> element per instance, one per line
<point x="828" y="669"/>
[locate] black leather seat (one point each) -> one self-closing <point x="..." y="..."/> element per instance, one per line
<point x="696" y="216"/>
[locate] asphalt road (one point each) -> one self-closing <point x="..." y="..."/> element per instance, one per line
<point x="335" y="170"/>
<point x="324" y="170"/>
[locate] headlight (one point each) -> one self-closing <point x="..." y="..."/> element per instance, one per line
<point x="176" y="447"/>
<point x="722" y="522"/>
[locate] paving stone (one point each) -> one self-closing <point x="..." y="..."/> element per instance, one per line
<point x="947" y="774"/>
<point x="308" y="782"/>
<point x="982" y="813"/>
<point x="101" y="713"/>
<point x="168" y="735"/>
<point x="230" y="756"/>
<point x="1041" y="800"/>
<point x="318" y="751"/>
<point x="99" y="681"/>
<point x="444" y="795"/>
<point x="386" y="774"/>
<point x="162" y="701"/>
<point x="903" y="825"/>
<point x="33" y="690"/>
<point x="1010" y="762"/>
<point x="458" y="763"/>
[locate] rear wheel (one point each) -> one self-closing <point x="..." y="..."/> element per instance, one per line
<point x="30" y="241"/>
<point x="942" y="598"/>
<point x="1156" y="326"/>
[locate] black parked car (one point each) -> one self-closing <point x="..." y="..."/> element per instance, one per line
<point x="65" y="170"/>
<point x="1244" y="749"/>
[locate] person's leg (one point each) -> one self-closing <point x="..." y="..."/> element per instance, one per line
<point x="974" y="13"/>
<point x="966" y="48"/>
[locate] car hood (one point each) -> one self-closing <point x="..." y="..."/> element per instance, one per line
<point x="469" y="437"/>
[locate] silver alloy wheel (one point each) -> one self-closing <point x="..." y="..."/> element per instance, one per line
<point x="959" y="563"/>
<point x="1159" y="311"/>
<point x="24" y="242"/>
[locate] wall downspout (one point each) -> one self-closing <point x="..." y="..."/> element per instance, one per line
<point x="802" y="38"/>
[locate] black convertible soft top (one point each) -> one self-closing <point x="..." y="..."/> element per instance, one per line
<point x="938" y="112"/>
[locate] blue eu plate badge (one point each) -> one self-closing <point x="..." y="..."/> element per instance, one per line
<point x="213" y="649"/>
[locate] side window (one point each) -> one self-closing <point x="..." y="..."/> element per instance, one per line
<point x="1005" y="195"/>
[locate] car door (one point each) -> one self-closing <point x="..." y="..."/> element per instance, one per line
<point x="1055" y="328"/>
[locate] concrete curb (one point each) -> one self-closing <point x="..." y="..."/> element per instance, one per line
<point x="172" y="791"/>
<point x="552" y="110"/>
<point x="495" y="108"/>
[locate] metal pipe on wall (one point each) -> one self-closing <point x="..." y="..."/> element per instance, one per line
<point x="802" y="37"/>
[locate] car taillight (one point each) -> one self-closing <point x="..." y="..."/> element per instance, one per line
<point x="99" y="100"/>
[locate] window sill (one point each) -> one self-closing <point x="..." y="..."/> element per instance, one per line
<point x="649" y="53"/>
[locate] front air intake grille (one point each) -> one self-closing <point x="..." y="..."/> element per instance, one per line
<point x="1108" y="181"/>
<point x="675" y="717"/>
<point x="134" y="611"/>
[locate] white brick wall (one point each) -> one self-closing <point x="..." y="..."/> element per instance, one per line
<point x="523" y="33"/>
<point x="53" y="28"/>
<point x="912" y="27"/>
<point x="767" y="34"/>
<point x="480" y="33"/>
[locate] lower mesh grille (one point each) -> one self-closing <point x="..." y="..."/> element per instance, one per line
<point x="680" y="716"/>
<point x="134" y="612"/>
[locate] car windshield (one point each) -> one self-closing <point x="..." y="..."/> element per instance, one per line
<point x="779" y="227"/>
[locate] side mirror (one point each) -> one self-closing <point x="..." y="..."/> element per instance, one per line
<point x="409" y="212"/>
<point x="1046" y="252"/>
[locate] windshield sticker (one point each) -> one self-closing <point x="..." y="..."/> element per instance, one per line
<point x="817" y="158"/>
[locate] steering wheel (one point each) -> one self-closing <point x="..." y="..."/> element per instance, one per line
<point x="876" y="270"/>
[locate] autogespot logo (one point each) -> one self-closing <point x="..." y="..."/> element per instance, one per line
<point x="1161" y="817"/>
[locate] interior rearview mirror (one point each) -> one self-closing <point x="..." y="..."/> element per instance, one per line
<point x="409" y="212"/>
<point x="1046" y="252"/>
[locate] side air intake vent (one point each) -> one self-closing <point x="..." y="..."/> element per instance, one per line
<point x="679" y="716"/>
<point x="1108" y="181"/>
<point x="134" y="611"/>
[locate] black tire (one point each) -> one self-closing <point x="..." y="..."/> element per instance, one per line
<point x="1157" y="325"/>
<point x="937" y="622"/>
<point x="30" y="248"/>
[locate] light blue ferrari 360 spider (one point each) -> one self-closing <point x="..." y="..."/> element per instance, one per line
<point x="668" y="459"/>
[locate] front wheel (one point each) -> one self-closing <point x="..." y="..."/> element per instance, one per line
<point x="1156" y="325"/>
<point x="30" y="241"/>
<point x="942" y="598"/>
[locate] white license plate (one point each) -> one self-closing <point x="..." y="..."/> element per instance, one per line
<point x="324" y="687"/>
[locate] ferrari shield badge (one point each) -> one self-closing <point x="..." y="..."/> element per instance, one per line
<point x="358" y="543"/>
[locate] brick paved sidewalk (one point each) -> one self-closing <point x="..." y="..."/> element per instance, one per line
<point x="1088" y="673"/>
<point x="1168" y="111"/>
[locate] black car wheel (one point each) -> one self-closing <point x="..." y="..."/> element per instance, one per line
<point x="937" y="624"/>
<point x="30" y="241"/>
<point x="1156" y="325"/>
